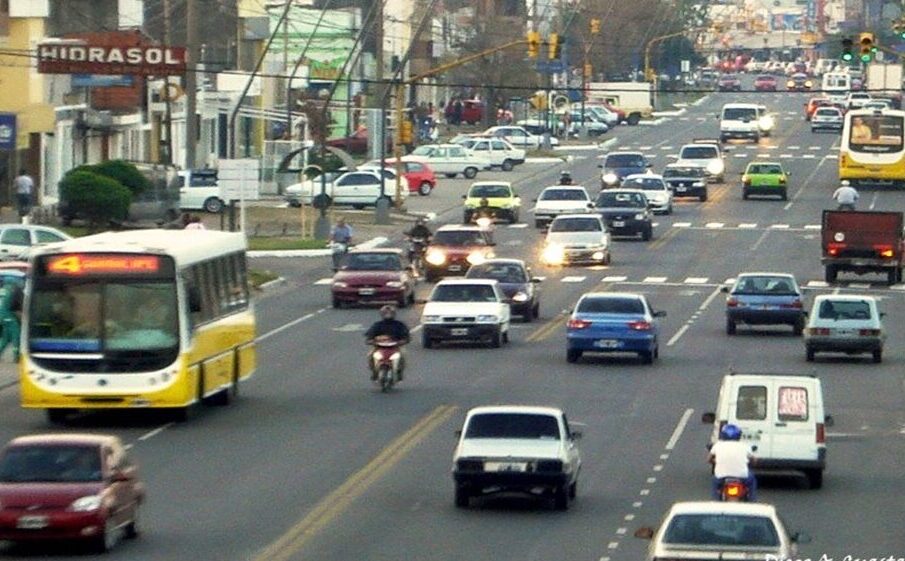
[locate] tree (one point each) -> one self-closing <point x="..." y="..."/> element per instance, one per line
<point x="93" y="197"/>
<point x="125" y="173"/>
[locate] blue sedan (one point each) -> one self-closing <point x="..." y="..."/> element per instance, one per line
<point x="764" y="299"/>
<point x="613" y="322"/>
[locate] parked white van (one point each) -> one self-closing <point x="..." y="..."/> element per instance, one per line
<point x="199" y="189"/>
<point x="781" y="416"/>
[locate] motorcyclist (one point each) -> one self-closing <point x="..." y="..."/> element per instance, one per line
<point x="732" y="459"/>
<point x="419" y="231"/>
<point x="484" y="210"/>
<point x="565" y="178"/>
<point x="388" y="326"/>
<point x="846" y="196"/>
<point x="341" y="238"/>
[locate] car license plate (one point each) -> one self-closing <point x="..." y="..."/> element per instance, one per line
<point x="607" y="344"/>
<point x="459" y="331"/>
<point x="843" y="332"/>
<point x="455" y="267"/>
<point x="618" y="223"/>
<point x="505" y="466"/>
<point x="366" y="291"/>
<point x="32" y="522"/>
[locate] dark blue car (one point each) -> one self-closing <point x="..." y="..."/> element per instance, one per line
<point x="619" y="165"/>
<point x="765" y="299"/>
<point x="613" y="322"/>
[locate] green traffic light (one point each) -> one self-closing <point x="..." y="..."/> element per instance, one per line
<point x="865" y="58"/>
<point x="847" y="57"/>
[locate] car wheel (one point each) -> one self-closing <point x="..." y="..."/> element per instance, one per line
<point x="466" y="217"/>
<point x="744" y="194"/>
<point x="809" y="354"/>
<point x="359" y="207"/>
<point x="607" y="258"/>
<point x="337" y="303"/>
<point x="815" y="478"/>
<point x="647" y="234"/>
<point x="213" y="205"/>
<point x="108" y="538"/>
<point x="647" y="357"/>
<point x="784" y="195"/>
<point x="703" y="198"/>
<point x="561" y="498"/>
<point x="470" y="173"/>
<point x="321" y="201"/>
<point x="539" y="224"/>
<point x="426" y="342"/>
<point x="669" y="209"/>
<point x="505" y="337"/>
<point x="513" y="217"/>
<point x="463" y="497"/>
<point x="450" y="175"/>
<point x="730" y="327"/>
<point x="572" y="355"/>
<point x="403" y="302"/>
<point x="573" y="490"/>
<point x="891" y="276"/>
<point x="634" y="119"/>
<point x="56" y="416"/>
<point x="425" y="188"/>
<point x="878" y="356"/>
<point x="507" y="165"/>
<point x="535" y="311"/>
<point x="798" y="327"/>
<point x="830" y="274"/>
<point x="496" y="340"/>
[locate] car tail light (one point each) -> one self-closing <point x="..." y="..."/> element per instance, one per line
<point x="821" y="433"/>
<point x="578" y="324"/>
<point x="818" y="331"/>
<point x="731" y="302"/>
<point x="640" y="325"/>
<point x="796" y="304"/>
<point x="835" y="248"/>
<point x="868" y="332"/>
<point x="886" y="251"/>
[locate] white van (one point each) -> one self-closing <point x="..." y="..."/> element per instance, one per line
<point x="199" y="189"/>
<point x="740" y="120"/>
<point x="781" y="415"/>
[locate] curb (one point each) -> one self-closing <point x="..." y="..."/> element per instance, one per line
<point x="608" y="143"/>
<point x="370" y="244"/>
<point x="272" y="284"/>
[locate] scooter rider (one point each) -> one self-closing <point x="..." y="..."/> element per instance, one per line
<point x="846" y="196"/>
<point x="732" y="459"/>
<point x="421" y="232"/>
<point x="565" y="178"/>
<point x="388" y="326"/>
<point x="484" y="210"/>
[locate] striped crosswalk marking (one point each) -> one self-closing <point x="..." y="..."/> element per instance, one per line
<point x="614" y="278"/>
<point x="696" y="280"/>
<point x="573" y="279"/>
<point x="654" y="280"/>
<point x="324" y="281"/>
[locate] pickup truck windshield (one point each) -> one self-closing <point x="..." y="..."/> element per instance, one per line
<point x="513" y="425"/>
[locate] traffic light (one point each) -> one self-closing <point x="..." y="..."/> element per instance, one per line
<point x="533" y="44"/>
<point x="866" y="41"/>
<point x="405" y="132"/>
<point x="847" y="54"/>
<point x="595" y="26"/>
<point x="553" y="50"/>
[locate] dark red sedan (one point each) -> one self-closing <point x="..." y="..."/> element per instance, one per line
<point x="420" y="176"/>
<point x="765" y="83"/>
<point x="69" y="487"/>
<point x="373" y="276"/>
<point x="729" y="83"/>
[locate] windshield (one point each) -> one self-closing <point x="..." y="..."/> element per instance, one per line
<point x="624" y="161"/>
<point x="765" y="169"/>
<point x="490" y="191"/>
<point x="576" y="225"/>
<point x="765" y="285"/>
<point x="564" y="195"/>
<point x="464" y="293"/>
<point x="51" y="464"/>
<point x="111" y="318"/>
<point x="739" y="114"/>
<point x="721" y="529"/>
<point x="609" y="199"/>
<point x="459" y="237"/>
<point x="423" y="151"/>
<point x="645" y="183"/>
<point x="513" y="425"/>
<point x="611" y="305"/>
<point x="684" y="172"/>
<point x="372" y="262"/>
<point x="507" y="273"/>
<point x="841" y="309"/>
<point x="878" y="134"/>
<point x="699" y="152"/>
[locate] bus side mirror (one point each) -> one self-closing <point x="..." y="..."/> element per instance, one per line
<point x="194" y="300"/>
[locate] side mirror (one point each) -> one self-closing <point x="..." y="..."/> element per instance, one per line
<point x="829" y="421"/>
<point x="576" y="434"/>
<point x="464" y="196"/>
<point x="194" y="300"/>
<point x="648" y="165"/>
<point x="600" y="166"/>
<point x="421" y="301"/>
<point x="659" y="314"/>
<point x="590" y="205"/>
<point x="536" y="280"/>
<point x="788" y="174"/>
<point x="801" y="537"/>
<point x="533" y="200"/>
<point x="882" y="314"/>
<point x="708" y="418"/>
<point x="741" y="174"/>
<point x="644" y="533"/>
<point x="724" y="289"/>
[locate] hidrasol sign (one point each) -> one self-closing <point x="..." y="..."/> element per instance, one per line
<point x="88" y="59"/>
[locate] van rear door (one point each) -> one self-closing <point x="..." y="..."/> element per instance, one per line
<point x="749" y="410"/>
<point x="793" y="412"/>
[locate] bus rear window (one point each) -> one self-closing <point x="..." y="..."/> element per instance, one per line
<point x="879" y="134"/>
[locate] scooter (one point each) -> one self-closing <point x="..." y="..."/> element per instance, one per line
<point x="417" y="249"/>
<point x="387" y="357"/>
<point x="733" y="490"/>
<point x="339" y="250"/>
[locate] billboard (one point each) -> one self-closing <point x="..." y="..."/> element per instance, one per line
<point x="68" y="58"/>
<point x="7" y="131"/>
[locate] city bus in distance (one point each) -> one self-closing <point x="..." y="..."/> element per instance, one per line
<point x="137" y="319"/>
<point x="836" y="85"/>
<point x="872" y="148"/>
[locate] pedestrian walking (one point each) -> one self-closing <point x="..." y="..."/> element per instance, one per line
<point x="10" y="306"/>
<point x="25" y="188"/>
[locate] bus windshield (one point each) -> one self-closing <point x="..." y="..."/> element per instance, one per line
<point x="877" y="134"/>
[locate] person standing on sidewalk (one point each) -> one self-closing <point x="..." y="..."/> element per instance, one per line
<point x="10" y="303"/>
<point x="25" y="188"/>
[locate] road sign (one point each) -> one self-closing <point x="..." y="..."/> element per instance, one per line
<point x="240" y="179"/>
<point x="551" y="66"/>
<point x="686" y="66"/>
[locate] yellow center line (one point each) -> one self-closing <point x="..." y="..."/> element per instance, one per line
<point x="338" y="501"/>
<point x="662" y="240"/>
<point x="543" y="331"/>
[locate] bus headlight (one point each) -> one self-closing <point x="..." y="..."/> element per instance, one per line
<point x="553" y="254"/>
<point x="435" y="257"/>
<point x="715" y="167"/>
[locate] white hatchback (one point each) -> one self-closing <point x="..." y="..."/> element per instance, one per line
<point x="658" y="194"/>
<point x="847" y="324"/>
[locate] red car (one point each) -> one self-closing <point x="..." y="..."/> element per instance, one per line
<point x="765" y="83"/>
<point x="373" y="276"/>
<point x="69" y="487"/>
<point x="357" y="142"/>
<point x="420" y="176"/>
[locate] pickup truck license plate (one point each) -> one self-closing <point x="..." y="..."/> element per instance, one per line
<point x="366" y="291"/>
<point x="618" y="223"/>
<point x="32" y="522"/>
<point x="607" y="344"/>
<point x="505" y="466"/>
<point x="455" y="267"/>
<point x="459" y="331"/>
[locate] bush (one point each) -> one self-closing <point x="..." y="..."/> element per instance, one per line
<point x="96" y="198"/>
<point x="124" y="173"/>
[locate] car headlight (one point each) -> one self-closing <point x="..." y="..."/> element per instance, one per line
<point x="435" y="257"/>
<point x="395" y="284"/>
<point x="340" y="284"/>
<point x="766" y="123"/>
<point x="597" y="256"/>
<point x="715" y="167"/>
<point x="697" y="184"/>
<point x="520" y="297"/>
<point x="553" y="254"/>
<point x="808" y="84"/>
<point x="640" y="216"/>
<point x="430" y="319"/>
<point x="790" y="84"/>
<point x="488" y="319"/>
<point x="611" y="178"/>
<point x="476" y="257"/>
<point x="86" y="504"/>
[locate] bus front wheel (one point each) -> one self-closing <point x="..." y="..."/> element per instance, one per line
<point x="56" y="416"/>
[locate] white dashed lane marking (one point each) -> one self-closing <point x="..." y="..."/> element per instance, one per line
<point x="573" y="279"/>
<point x="654" y="280"/>
<point x="324" y="281"/>
<point x="714" y="225"/>
<point x="747" y="226"/>
<point x="696" y="280"/>
<point x="681" y="225"/>
<point x="614" y="278"/>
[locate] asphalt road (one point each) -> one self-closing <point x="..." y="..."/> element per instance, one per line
<point x="313" y="463"/>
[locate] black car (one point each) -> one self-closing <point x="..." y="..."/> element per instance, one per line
<point x="626" y="212"/>
<point x="686" y="181"/>
<point x="514" y="278"/>
<point x="619" y="165"/>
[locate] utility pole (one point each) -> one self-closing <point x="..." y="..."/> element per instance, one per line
<point x="191" y="83"/>
<point x="168" y="115"/>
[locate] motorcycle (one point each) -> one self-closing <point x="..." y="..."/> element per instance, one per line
<point x="485" y="223"/>
<point x="339" y="250"/>
<point x="417" y="249"/>
<point x="387" y="359"/>
<point x="733" y="490"/>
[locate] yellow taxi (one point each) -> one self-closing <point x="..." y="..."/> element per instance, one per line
<point x="501" y="198"/>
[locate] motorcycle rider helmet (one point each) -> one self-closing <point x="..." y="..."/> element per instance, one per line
<point x="565" y="178"/>
<point x="387" y="312"/>
<point x="485" y="202"/>
<point x="730" y="432"/>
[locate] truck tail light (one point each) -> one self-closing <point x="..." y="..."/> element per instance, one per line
<point x="578" y="324"/>
<point x="639" y="325"/>
<point x="835" y="248"/>
<point x="885" y="251"/>
<point x="821" y="433"/>
<point x="869" y="332"/>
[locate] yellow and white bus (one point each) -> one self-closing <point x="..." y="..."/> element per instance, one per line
<point x="146" y="318"/>
<point x="872" y="148"/>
